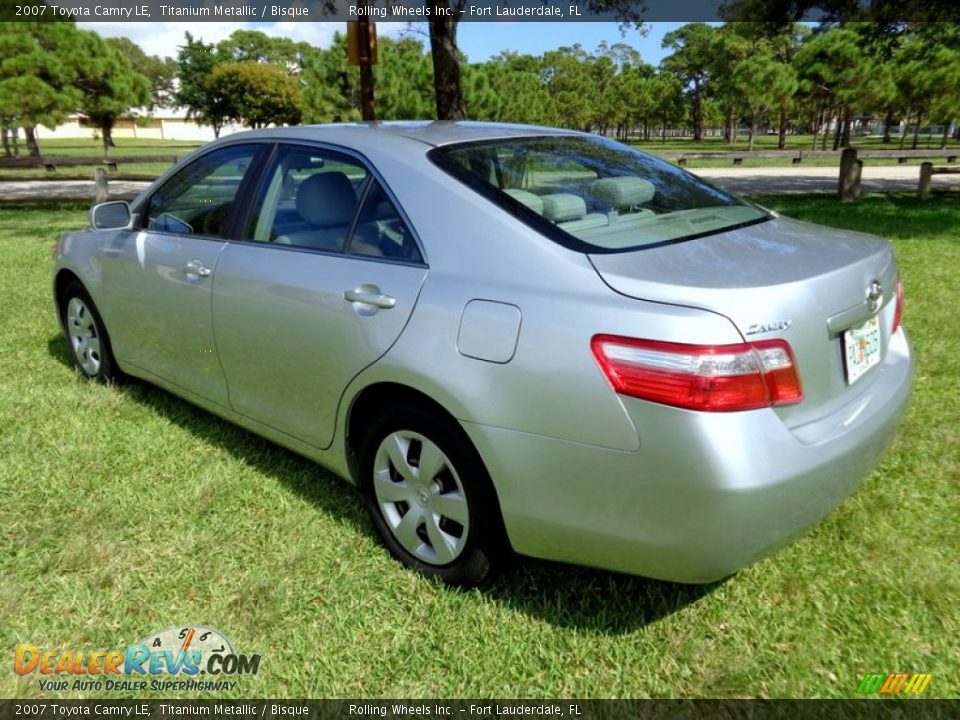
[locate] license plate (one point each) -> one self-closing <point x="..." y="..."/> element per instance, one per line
<point x="861" y="348"/>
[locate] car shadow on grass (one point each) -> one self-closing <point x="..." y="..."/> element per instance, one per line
<point x="562" y="595"/>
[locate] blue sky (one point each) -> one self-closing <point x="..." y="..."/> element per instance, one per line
<point x="479" y="40"/>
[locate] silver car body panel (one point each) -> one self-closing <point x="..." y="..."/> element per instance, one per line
<point x="287" y="339"/>
<point x="582" y="474"/>
<point x="158" y="307"/>
<point x="798" y="272"/>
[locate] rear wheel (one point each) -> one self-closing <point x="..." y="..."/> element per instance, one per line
<point x="430" y="498"/>
<point x="86" y="335"/>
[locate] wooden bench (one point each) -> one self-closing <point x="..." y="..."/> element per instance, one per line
<point x="927" y="171"/>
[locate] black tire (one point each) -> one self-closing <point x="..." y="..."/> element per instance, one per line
<point x="87" y="341"/>
<point x="464" y="553"/>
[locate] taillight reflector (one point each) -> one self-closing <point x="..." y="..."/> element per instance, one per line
<point x="898" y="308"/>
<point x="716" y="378"/>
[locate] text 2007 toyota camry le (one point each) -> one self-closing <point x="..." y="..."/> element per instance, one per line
<point x="510" y="338"/>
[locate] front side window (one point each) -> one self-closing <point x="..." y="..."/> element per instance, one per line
<point x="197" y="200"/>
<point x="324" y="200"/>
<point x="594" y="195"/>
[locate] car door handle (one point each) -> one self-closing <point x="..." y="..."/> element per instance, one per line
<point x="195" y="267"/>
<point x="369" y="295"/>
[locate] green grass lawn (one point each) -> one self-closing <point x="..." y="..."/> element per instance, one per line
<point x="126" y="510"/>
<point x="81" y="147"/>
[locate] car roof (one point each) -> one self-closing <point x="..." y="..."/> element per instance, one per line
<point x="429" y="132"/>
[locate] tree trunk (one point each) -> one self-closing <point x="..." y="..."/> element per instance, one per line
<point x="728" y="127"/>
<point x="753" y="131"/>
<point x="916" y="130"/>
<point x="946" y="134"/>
<point x="33" y="147"/>
<point x="782" y="132"/>
<point x="697" y="112"/>
<point x="446" y="65"/>
<point x="903" y="135"/>
<point x="888" y="127"/>
<point x="106" y="133"/>
<point x="847" y="122"/>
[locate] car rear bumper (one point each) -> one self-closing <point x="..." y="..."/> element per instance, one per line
<point x="706" y="493"/>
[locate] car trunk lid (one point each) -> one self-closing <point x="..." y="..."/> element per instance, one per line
<point x="782" y="278"/>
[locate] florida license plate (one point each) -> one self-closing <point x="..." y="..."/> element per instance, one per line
<point x="861" y="348"/>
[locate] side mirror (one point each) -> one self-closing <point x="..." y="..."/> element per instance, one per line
<point x="110" y="215"/>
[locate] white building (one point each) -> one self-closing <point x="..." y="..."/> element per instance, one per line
<point x="160" y="125"/>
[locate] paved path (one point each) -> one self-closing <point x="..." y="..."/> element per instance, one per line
<point x="744" y="181"/>
<point x="79" y="190"/>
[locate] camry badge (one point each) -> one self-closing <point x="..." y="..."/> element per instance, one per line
<point x="874" y="295"/>
<point x="758" y="328"/>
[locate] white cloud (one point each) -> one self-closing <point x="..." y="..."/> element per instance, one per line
<point x="165" y="38"/>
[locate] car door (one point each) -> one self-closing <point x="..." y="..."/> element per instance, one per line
<point x="320" y="288"/>
<point x="159" y="277"/>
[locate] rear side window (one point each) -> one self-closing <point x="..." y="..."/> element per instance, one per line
<point x="309" y="199"/>
<point x="594" y="195"/>
<point x="324" y="200"/>
<point x="198" y="199"/>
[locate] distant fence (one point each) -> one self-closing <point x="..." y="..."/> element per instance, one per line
<point x="52" y="163"/>
<point x="798" y="156"/>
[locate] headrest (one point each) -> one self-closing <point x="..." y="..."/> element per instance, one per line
<point x="623" y="192"/>
<point x="560" y="207"/>
<point x="326" y="199"/>
<point x="526" y="198"/>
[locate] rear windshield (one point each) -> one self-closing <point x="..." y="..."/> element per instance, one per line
<point x="592" y="194"/>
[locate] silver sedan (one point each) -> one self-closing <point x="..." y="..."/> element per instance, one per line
<point x="512" y="339"/>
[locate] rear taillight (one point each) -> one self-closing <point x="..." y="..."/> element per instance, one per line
<point x="898" y="308"/>
<point x="717" y="378"/>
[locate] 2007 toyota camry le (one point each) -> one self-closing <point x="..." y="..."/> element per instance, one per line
<point x="511" y="338"/>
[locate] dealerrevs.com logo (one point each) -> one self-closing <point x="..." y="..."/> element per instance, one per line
<point x="200" y="658"/>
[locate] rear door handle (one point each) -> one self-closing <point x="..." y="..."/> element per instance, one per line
<point x="369" y="295"/>
<point x="195" y="267"/>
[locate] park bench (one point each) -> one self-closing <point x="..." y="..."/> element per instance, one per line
<point x="927" y="171"/>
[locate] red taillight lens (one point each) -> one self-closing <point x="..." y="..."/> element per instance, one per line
<point x="898" y="308"/>
<point x="717" y="378"/>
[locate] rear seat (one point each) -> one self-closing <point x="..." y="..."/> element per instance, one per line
<point x="623" y="193"/>
<point x="525" y="197"/>
<point x="569" y="212"/>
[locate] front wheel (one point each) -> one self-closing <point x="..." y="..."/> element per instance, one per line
<point x="430" y="498"/>
<point x="86" y="335"/>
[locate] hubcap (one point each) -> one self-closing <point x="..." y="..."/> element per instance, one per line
<point x="84" y="336"/>
<point x="421" y="497"/>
